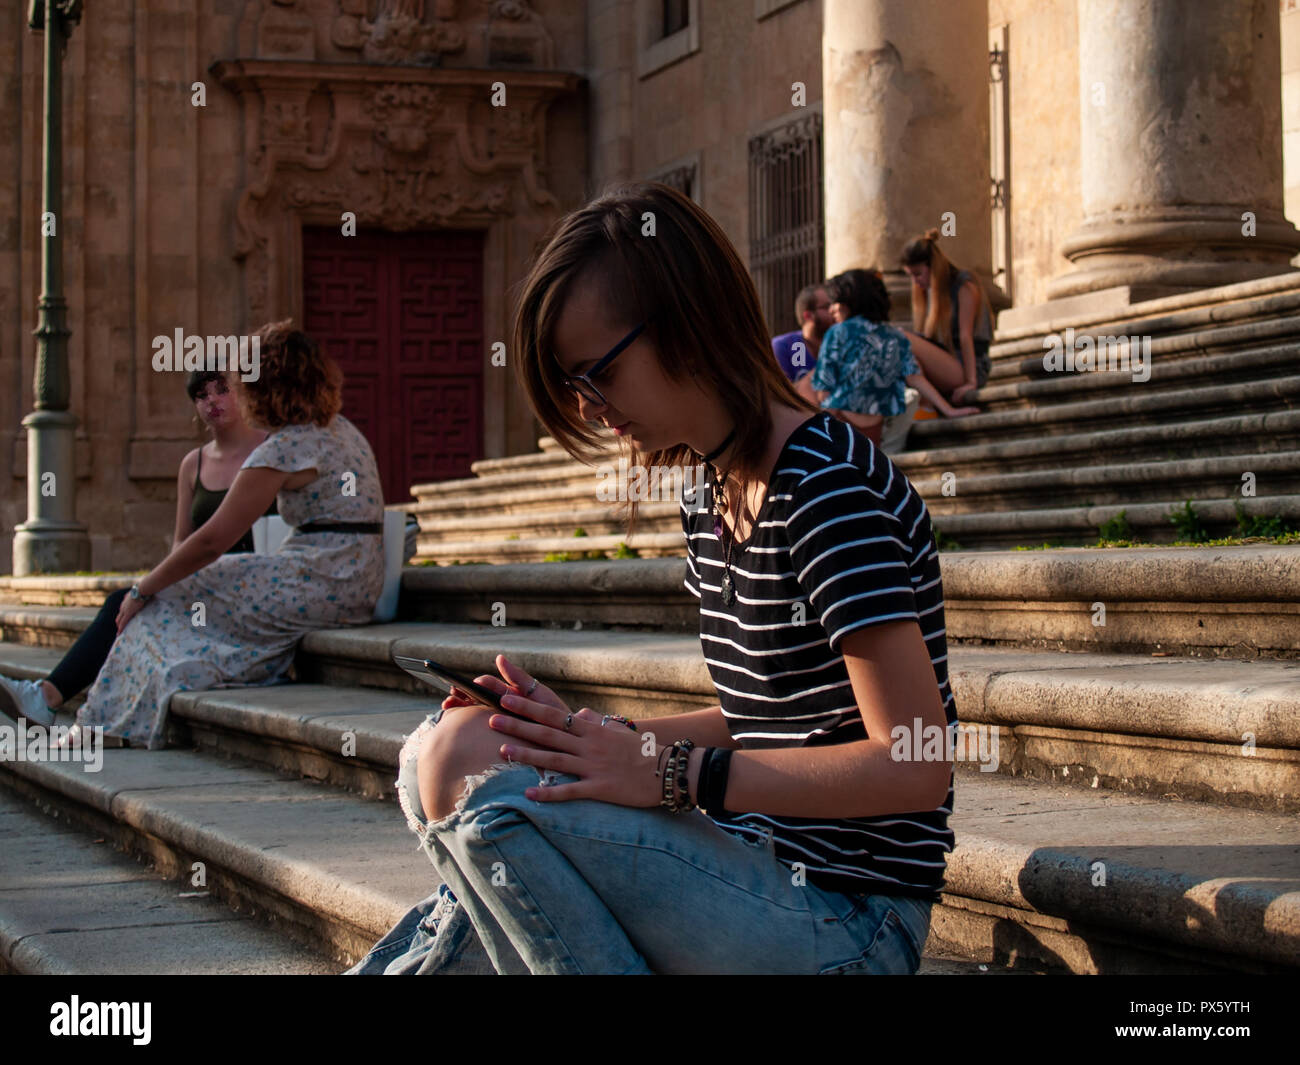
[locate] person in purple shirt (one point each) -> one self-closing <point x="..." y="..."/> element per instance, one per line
<point x="812" y="308"/>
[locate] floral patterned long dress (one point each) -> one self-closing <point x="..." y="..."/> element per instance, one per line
<point x="236" y="621"/>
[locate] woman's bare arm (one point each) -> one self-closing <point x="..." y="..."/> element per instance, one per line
<point x="893" y="681"/>
<point x="248" y="499"/>
<point x="185" y="497"/>
<point x="704" y="728"/>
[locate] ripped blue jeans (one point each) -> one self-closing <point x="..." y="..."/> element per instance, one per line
<point x="590" y="887"/>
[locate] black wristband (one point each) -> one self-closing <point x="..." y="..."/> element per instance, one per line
<point x="702" y="785"/>
<point x="718" y="768"/>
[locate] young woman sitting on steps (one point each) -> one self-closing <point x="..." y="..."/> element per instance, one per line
<point x="205" y="477"/>
<point x="572" y="843"/>
<point x="951" y="324"/>
<point x="202" y="619"/>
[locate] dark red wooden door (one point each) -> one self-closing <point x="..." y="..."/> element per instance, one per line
<point x="402" y="313"/>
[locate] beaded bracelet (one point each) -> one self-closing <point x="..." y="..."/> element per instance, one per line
<point x="667" y="775"/>
<point x="676" y="781"/>
<point x="683" y="794"/>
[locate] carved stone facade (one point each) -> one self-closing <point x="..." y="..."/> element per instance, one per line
<point x="394" y="148"/>
<point x="493" y="117"/>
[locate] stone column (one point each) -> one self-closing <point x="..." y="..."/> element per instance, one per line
<point x="905" y="90"/>
<point x="1181" y="136"/>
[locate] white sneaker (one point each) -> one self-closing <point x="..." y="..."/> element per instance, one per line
<point x="26" y="699"/>
<point x="71" y="741"/>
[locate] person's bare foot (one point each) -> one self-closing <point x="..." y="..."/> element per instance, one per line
<point x="961" y="412"/>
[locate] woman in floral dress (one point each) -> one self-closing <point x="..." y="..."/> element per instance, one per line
<point x="199" y="620"/>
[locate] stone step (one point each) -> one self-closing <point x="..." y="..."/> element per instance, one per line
<point x="1141" y="455"/>
<point x="70" y="905"/>
<point x="1221" y="731"/>
<point x="1079" y="525"/>
<point x="1135" y="406"/>
<point x="945" y="491"/>
<point x="1236" y="601"/>
<point x="1110" y="883"/>
<point x="1189" y="312"/>
<point x="554" y="523"/>
<point x="1056" y="404"/>
<point x="1274" y="431"/>
<point x="511" y="479"/>
<point x="648" y="542"/>
<point x="1037" y="386"/>
<point x="1112" y="484"/>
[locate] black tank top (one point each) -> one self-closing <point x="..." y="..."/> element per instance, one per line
<point x="205" y="504"/>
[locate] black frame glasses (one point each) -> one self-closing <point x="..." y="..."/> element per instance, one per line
<point x="582" y="383"/>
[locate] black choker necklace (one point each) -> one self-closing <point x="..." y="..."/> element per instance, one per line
<point x="721" y="447"/>
<point x="717" y="507"/>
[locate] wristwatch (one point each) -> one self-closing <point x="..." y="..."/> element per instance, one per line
<point x="134" y="593"/>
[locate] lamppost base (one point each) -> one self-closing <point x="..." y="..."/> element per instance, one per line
<point x="50" y="547"/>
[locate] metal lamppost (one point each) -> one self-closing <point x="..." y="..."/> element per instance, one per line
<point x="51" y="540"/>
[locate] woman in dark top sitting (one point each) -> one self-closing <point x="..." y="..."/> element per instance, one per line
<point x="951" y="324"/>
<point x="204" y="479"/>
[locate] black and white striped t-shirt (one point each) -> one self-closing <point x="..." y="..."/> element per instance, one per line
<point x="842" y="541"/>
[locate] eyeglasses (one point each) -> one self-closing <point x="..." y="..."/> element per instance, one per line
<point x="582" y="384"/>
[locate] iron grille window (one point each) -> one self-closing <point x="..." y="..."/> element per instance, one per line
<point x="681" y="178"/>
<point x="787" y="225"/>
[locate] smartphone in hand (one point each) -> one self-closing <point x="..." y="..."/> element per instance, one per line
<point x="439" y="676"/>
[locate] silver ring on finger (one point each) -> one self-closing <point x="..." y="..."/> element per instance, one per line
<point x="531" y="687"/>
<point x="568" y="722"/>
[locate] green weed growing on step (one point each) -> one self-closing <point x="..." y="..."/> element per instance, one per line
<point x="1046" y="545"/>
<point x="623" y="551"/>
<point x="1117" y="528"/>
<point x="1226" y="541"/>
<point x="1266" y="527"/>
<point x="579" y="532"/>
<point x="943" y="543"/>
<point x="1188" y="523"/>
<point x="513" y="536"/>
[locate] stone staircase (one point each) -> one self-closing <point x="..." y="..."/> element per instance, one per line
<point x="1053" y="456"/>
<point x="1133" y="808"/>
<point x="1141" y="817"/>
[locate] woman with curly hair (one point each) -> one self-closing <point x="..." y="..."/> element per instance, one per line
<point x="199" y="620"/>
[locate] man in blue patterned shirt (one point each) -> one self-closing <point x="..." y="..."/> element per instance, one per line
<point x="864" y="365"/>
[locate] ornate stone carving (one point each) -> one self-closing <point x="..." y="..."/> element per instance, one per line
<point x="419" y="149"/>
<point x="286" y="33"/>
<point x="400" y="31"/>
<point x="284" y="120"/>
<point x="516" y="34"/>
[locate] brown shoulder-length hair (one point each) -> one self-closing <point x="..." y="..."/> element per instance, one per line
<point x="298" y="383"/>
<point x="658" y="259"/>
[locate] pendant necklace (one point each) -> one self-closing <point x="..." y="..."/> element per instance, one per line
<point x="718" y="506"/>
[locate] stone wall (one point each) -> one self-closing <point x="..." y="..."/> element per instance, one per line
<point x="707" y="104"/>
<point x="152" y="186"/>
<point x="1044" y="136"/>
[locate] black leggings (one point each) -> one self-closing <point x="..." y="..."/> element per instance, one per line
<point x="78" y="669"/>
